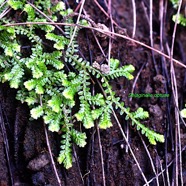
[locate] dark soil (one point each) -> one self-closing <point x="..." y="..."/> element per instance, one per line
<point x="29" y="163"/>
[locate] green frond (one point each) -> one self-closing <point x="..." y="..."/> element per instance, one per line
<point x="98" y="99"/>
<point x="11" y="49"/>
<point x="66" y="12"/>
<point x="60" y="6"/>
<point x="37" y="72"/>
<point x="14" y="76"/>
<point x="65" y="155"/>
<point x="140" y="114"/>
<point x="54" y="127"/>
<point x="30" y="11"/>
<point x="88" y="121"/>
<point x="54" y="59"/>
<point x="183" y="113"/>
<point x="16" y="4"/>
<point x="175" y="3"/>
<point x="55" y="103"/>
<point x="69" y="93"/>
<point x="79" y="116"/>
<point x="37" y="112"/>
<point x="30" y="84"/>
<point x="54" y="89"/>
<point x="60" y="41"/>
<point x="39" y="89"/>
<point x="31" y="99"/>
<point x="53" y="119"/>
<point x="96" y="113"/>
<point x="114" y="64"/>
<point x="78" y="137"/>
<point x="122" y="71"/>
<point x="105" y="119"/>
<point x="151" y="135"/>
<point x="181" y="19"/>
<point x="85" y="115"/>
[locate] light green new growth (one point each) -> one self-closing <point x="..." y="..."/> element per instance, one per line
<point x="183" y="112"/>
<point x="60" y="96"/>
<point x="181" y="18"/>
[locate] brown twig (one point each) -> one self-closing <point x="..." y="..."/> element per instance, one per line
<point x="178" y="160"/>
<point x="151" y="36"/>
<point x="49" y="150"/>
<point x="134" y="18"/>
<point x="162" y="15"/>
<point x="101" y="156"/>
<point x="46" y="17"/>
<point x="105" y="12"/>
<point x="125" y="138"/>
<point x="150" y="158"/>
<point x="6" y="144"/>
<point x="108" y="33"/>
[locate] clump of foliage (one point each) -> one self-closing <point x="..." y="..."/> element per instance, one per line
<point x="55" y="81"/>
<point x="181" y="17"/>
<point x="183" y="112"/>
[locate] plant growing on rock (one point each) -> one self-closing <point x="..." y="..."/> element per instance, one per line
<point x="55" y="81"/>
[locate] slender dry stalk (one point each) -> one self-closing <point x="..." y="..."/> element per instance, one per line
<point x="78" y="19"/>
<point x="125" y="138"/>
<point x="3" y="3"/>
<point x="131" y="151"/>
<point x="108" y="33"/>
<point x="150" y="158"/>
<point x="49" y="150"/>
<point x="112" y="29"/>
<point x="162" y="15"/>
<point x="6" y="145"/>
<point x="4" y="12"/>
<point x="77" y="162"/>
<point x="99" y="6"/>
<point x="134" y="18"/>
<point x="130" y="99"/>
<point x="151" y="35"/>
<point x="178" y="159"/>
<point x="100" y="147"/>
<point x="48" y="18"/>
<point x="95" y="37"/>
<point x="101" y="156"/>
<point x="51" y="157"/>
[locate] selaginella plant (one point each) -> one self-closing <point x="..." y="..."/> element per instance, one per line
<point x="54" y="80"/>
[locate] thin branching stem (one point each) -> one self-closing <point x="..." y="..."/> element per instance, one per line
<point x="42" y="13"/>
<point x="131" y="151"/>
<point x="77" y="22"/>
<point x="102" y="31"/>
<point x="101" y="156"/>
<point x="178" y="159"/>
<point x="151" y="161"/>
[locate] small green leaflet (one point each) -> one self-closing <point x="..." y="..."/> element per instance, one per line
<point x="55" y="103"/>
<point x="36" y="112"/>
<point x="183" y="113"/>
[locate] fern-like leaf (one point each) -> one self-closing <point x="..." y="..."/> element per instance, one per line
<point x="122" y="71"/>
<point x="105" y="120"/>
<point x="55" y="103"/>
<point x="65" y="155"/>
<point x="37" y="112"/>
<point x="78" y="137"/>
